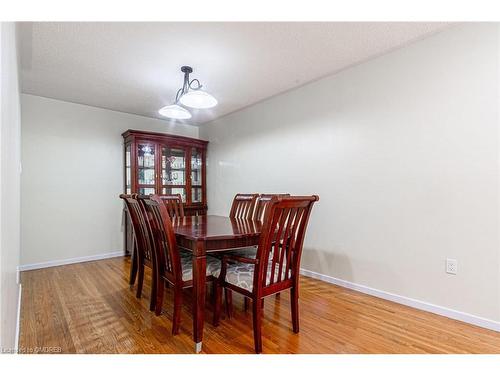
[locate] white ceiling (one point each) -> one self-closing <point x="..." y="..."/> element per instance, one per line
<point x="135" y="67"/>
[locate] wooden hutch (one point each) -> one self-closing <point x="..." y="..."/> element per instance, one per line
<point x="159" y="163"/>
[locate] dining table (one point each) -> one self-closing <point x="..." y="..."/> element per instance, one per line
<point x="206" y="234"/>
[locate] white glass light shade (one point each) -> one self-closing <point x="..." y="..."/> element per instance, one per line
<point x="198" y="99"/>
<point x="175" y="111"/>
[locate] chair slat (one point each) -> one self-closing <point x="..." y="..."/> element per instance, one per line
<point x="277" y="243"/>
<point x="285" y="246"/>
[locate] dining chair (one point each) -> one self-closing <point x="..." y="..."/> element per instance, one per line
<point x="243" y="206"/>
<point x="174" y="205"/>
<point x="277" y="264"/>
<point x="142" y="254"/>
<point x="261" y="205"/>
<point x="170" y="264"/>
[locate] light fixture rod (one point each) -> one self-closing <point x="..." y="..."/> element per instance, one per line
<point x="186" y="70"/>
<point x="187" y="85"/>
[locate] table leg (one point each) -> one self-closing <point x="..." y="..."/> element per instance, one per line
<point x="199" y="281"/>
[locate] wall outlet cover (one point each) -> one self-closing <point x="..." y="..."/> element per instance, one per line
<point x="451" y="266"/>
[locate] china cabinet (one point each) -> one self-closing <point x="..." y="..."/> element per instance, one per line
<point x="159" y="163"/>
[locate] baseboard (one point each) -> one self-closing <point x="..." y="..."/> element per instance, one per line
<point x="55" y="263"/>
<point x="18" y="321"/>
<point x="417" y="304"/>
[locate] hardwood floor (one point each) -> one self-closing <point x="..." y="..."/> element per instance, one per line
<point x="89" y="308"/>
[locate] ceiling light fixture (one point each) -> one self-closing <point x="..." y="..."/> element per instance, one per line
<point x="175" y="111"/>
<point x="189" y="95"/>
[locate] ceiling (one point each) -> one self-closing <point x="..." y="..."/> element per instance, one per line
<point x="135" y="67"/>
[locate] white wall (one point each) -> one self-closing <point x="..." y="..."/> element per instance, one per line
<point x="403" y="151"/>
<point x="10" y="156"/>
<point x="72" y="159"/>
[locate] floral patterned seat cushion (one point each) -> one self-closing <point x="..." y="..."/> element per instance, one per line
<point x="213" y="266"/>
<point x="241" y="274"/>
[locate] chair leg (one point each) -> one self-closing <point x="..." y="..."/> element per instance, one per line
<point x="262" y="303"/>
<point x="228" y="294"/>
<point x="245" y="305"/>
<point x="246" y="302"/>
<point x="294" y="299"/>
<point x="160" y="285"/>
<point x="217" y="302"/>
<point x="257" y="325"/>
<point x="140" y="280"/>
<point x="133" y="268"/>
<point x="152" y="302"/>
<point x="177" y="309"/>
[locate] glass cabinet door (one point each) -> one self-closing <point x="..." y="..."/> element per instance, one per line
<point x="128" y="171"/>
<point x="196" y="176"/>
<point x="146" y="175"/>
<point x="173" y="171"/>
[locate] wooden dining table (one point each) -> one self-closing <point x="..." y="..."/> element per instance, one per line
<point x="207" y="234"/>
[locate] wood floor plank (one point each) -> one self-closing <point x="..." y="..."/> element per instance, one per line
<point x="89" y="308"/>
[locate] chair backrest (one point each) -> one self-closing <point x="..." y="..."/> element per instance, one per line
<point x="243" y="206"/>
<point x="139" y="224"/>
<point x="263" y="203"/>
<point x="166" y="254"/>
<point x="174" y="205"/>
<point x="280" y="245"/>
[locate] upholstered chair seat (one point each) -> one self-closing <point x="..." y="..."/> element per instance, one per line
<point x="241" y="274"/>
<point x="213" y="266"/>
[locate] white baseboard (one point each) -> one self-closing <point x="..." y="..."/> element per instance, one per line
<point x="55" y="263"/>
<point x="18" y="321"/>
<point x="421" y="305"/>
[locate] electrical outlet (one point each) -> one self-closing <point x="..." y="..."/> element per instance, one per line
<point x="451" y="266"/>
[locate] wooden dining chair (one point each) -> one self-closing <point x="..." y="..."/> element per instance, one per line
<point x="174" y="205"/>
<point x="277" y="264"/>
<point x="170" y="264"/>
<point x="142" y="255"/>
<point x="243" y="206"/>
<point x="261" y="204"/>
